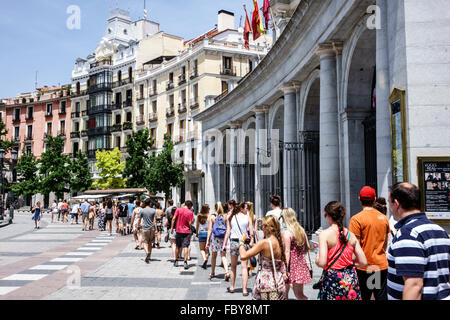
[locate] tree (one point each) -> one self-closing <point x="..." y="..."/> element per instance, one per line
<point x="4" y="144"/>
<point x="27" y="175"/>
<point x="164" y="174"/>
<point x="111" y="169"/>
<point x="55" y="168"/>
<point x="81" y="175"/>
<point x="136" y="167"/>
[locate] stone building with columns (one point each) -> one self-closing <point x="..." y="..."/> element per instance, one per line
<point x="351" y="94"/>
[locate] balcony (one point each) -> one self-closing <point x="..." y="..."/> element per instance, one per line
<point x="127" y="104"/>
<point x="29" y="117"/>
<point x="75" y="135"/>
<point x="62" y="112"/>
<point x="84" y="133"/>
<point x="121" y="83"/>
<point x="140" y="121"/>
<point x="191" y="166"/>
<point x="170" y="85"/>
<point x="194" y="103"/>
<point x="28" y="139"/>
<point x="75" y="115"/>
<point x="194" y="73"/>
<point x="116" y="106"/>
<point x="182" y="107"/>
<point x="228" y="71"/>
<point x="220" y="97"/>
<point x="140" y="98"/>
<point x="16" y="119"/>
<point x="116" y="127"/>
<point x="153" y="118"/>
<point x="16" y="140"/>
<point x="181" y="80"/>
<point x="47" y="135"/>
<point x="84" y="113"/>
<point x="99" y="131"/>
<point x="170" y="112"/>
<point x="106" y="62"/>
<point x="179" y="139"/>
<point x="153" y="92"/>
<point x="100" y="108"/>
<point x="127" y="126"/>
<point x="80" y="93"/>
<point x="62" y="134"/>
<point x="48" y="114"/>
<point x="107" y="86"/>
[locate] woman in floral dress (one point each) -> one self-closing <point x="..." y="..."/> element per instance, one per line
<point x="296" y="246"/>
<point x="268" y="279"/>
<point x="339" y="253"/>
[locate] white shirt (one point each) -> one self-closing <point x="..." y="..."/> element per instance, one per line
<point x="75" y="208"/>
<point x="60" y="205"/>
<point x="243" y="225"/>
<point x="275" y="212"/>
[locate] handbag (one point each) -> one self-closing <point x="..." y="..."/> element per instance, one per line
<point x="318" y="285"/>
<point x="166" y="238"/>
<point x="273" y="293"/>
<point x="310" y="265"/>
<point x="253" y="261"/>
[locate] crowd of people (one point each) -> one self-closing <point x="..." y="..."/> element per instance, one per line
<point x="406" y="257"/>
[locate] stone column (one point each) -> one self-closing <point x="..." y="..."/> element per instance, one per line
<point x="290" y="174"/>
<point x="329" y="139"/>
<point x="260" y="151"/>
<point x="232" y="157"/>
<point x="384" y="157"/>
<point x="209" y="166"/>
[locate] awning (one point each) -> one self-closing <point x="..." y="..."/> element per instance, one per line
<point x="89" y="197"/>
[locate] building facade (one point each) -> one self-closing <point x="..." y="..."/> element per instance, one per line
<point x="173" y="87"/>
<point x="321" y="113"/>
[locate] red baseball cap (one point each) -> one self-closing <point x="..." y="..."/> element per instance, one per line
<point x="367" y="193"/>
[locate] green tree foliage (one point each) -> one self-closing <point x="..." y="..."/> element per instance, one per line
<point x="136" y="167"/>
<point x="81" y="175"/>
<point x="27" y="175"/>
<point x="55" y="168"/>
<point x="4" y="144"/>
<point x="164" y="173"/>
<point x="111" y="169"/>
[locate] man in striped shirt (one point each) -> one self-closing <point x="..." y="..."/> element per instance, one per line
<point x="419" y="255"/>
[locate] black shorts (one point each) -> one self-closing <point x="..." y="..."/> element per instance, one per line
<point x="183" y="240"/>
<point x="109" y="217"/>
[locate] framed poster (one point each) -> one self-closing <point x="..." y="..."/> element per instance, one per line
<point x="398" y="136"/>
<point x="434" y="184"/>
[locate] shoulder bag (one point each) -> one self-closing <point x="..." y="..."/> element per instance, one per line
<point x="318" y="285"/>
<point x="273" y="293"/>
<point x="253" y="261"/>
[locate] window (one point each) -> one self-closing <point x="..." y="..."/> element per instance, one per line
<point x="62" y="107"/>
<point x="77" y="126"/>
<point x="250" y="65"/>
<point x="117" y="142"/>
<point x="170" y="77"/>
<point x="141" y="91"/>
<point x="119" y="75"/>
<point x="129" y="116"/>
<point x="227" y="63"/>
<point x="181" y="130"/>
<point x="49" y="109"/>
<point x="28" y="150"/>
<point x="17" y="133"/>
<point x="30" y="113"/>
<point x="29" y="132"/>
<point x="171" y="102"/>
<point x="153" y="135"/>
<point x="77" y="107"/>
<point x="169" y="129"/>
<point x="118" y="119"/>
<point x="75" y="148"/>
<point x="154" y="107"/>
<point x="155" y="84"/>
<point x="49" y="129"/>
<point x="224" y="86"/>
<point x="62" y="127"/>
<point x="16" y="114"/>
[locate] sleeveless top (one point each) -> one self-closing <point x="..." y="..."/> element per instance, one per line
<point x="236" y="233"/>
<point x="159" y="219"/>
<point x="345" y="259"/>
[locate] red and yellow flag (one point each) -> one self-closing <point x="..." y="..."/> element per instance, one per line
<point x="247" y="30"/>
<point x="257" y="24"/>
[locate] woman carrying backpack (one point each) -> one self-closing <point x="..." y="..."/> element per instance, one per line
<point x="201" y="227"/>
<point x="216" y="237"/>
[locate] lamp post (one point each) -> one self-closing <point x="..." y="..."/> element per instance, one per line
<point x="14" y="156"/>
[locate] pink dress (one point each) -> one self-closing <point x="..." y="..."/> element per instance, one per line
<point x="298" y="268"/>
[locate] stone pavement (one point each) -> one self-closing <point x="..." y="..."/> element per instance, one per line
<point x="61" y="262"/>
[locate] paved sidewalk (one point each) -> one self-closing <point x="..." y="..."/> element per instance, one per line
<point x="127" y="277"/>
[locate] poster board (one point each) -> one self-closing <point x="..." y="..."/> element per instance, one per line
<point x="434" y="184"/>
<point x="397" y="107"/>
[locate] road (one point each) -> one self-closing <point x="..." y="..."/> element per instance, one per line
<point x="62" y="262"/>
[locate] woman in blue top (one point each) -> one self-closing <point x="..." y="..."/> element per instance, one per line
<point x="37" y="214"/>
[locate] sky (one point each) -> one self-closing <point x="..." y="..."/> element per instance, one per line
<point x="34" y="35"/>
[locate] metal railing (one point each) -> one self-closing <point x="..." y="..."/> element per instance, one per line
<point x="228" y="71"/>
<point x="170" y="85"/>
<point x="75" y="114"/>
<point x="116" y="128"/>
<point x="127" y="125"/>
<point x="74" y="135"/>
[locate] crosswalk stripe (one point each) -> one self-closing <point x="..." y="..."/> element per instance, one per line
<point x="6" y="290"/>
<point x="26" y="277"/>
<point x="66" y="259"/>
<point x="50" y="267"/>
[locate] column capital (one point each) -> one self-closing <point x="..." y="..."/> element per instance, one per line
<point x="234" y="124"/>
<point x="291" y="87"/>
<point x="261" y="109"/>
<point x="330" y="49"/>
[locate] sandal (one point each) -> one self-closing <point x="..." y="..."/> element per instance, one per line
<point x="229" y="290"/>
<point x="227" y="277"/>
<point x="211" y="276"/>
<point x="245" y="294"/>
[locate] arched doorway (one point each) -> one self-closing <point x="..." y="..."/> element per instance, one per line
<point x="309" y="216"/>
<point x="359" y="120"/>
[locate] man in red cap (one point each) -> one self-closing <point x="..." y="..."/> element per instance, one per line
<point x="371" y="227"/>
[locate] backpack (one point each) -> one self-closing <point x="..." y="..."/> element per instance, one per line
<point x="219" y="227"/>
<point x="123" y="210"/>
